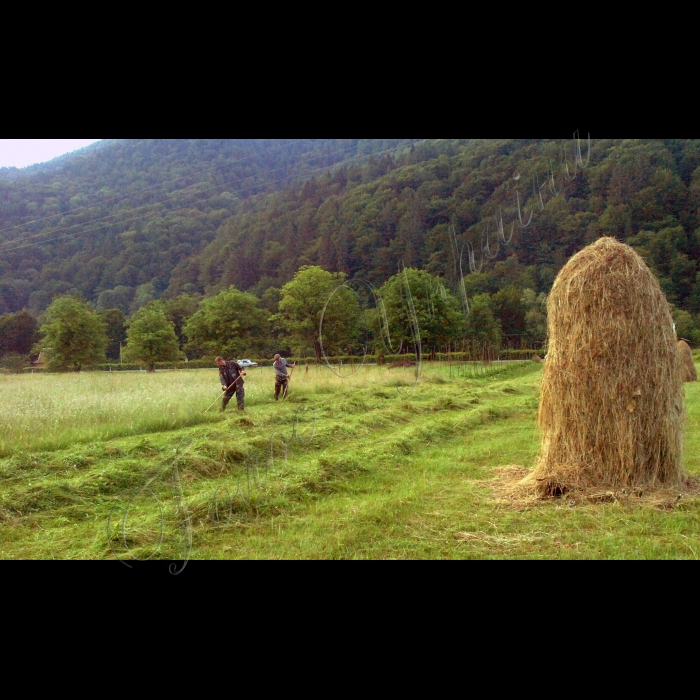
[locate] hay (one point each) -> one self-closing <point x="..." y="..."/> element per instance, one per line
<point x="536" y="358"/>
<point x="688" y="371"/>
<point x="511" y="489"/>
<point x="612" y="405"/>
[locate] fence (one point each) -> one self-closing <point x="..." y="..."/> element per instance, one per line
<point x="478" y="353"/>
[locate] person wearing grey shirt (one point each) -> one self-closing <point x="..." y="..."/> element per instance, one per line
<point x="281" y="377"/>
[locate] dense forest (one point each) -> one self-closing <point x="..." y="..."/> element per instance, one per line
<point x="126" y="222"/>
<point x="363" y="219"/>
<point x="132" y="215"/>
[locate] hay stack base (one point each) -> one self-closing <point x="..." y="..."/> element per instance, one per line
<point x="513" y="488"/>
<point x="688" y="371"/>
<point x="612" y="404"/>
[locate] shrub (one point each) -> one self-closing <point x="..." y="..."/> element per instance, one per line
<point x="14" y="362"/>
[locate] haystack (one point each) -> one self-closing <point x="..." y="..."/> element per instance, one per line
<point x="688" y="371"/>
<point x="536" y="358"/>
<point x="612" y="403"/>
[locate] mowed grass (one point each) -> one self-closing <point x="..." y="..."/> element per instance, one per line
<point x="53" y="411"/>
<point x="382" y="473"/>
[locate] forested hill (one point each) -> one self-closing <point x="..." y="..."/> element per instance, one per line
<point x="128" y="213"/>
<point x="364" y="220"/>
<point x="364" y="216"/>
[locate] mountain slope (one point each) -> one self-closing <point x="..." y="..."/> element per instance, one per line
<point x="249" y="213"/>
<point x="366" y="219"/>
<point x="127" y="212"/>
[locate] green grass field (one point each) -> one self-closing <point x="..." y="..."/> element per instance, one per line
<point x="381" y="474"/>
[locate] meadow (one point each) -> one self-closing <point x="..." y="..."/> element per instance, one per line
<point x="368" y="466"/>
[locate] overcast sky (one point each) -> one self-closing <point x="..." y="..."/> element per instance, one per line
<point x="22" y="152"/>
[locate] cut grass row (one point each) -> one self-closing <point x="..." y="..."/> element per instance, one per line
<point x="43" y="412"/>
<point x="384" y="476"/>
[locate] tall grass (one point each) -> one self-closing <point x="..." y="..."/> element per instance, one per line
<point x="52" y="411"/>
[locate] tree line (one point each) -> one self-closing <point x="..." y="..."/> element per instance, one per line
<point x="427" y="205"/>
<point x="317" y="312"/>
<point x="360" y="218"/>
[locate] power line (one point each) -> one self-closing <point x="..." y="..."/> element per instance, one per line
<point x="172" y="193"/>
<point x="145" y="216"/>
<point x="130" y="194"/>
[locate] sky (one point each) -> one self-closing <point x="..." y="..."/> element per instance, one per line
<point x="22" y="152"/>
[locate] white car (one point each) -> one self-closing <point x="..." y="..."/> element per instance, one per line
<point x="247" y="363"/>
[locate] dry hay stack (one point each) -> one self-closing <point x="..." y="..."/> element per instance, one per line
<point x="536" y="358"/>
<point x="688" y="371"/>
<point x="612" y="404"/>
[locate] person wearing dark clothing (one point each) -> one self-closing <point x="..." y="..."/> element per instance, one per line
<point x="281" y="377"/>
<point x="229" y="372"/>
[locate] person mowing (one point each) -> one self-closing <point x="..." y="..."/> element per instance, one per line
<point x="281" y="377"/>
<point x="229" y="372"/>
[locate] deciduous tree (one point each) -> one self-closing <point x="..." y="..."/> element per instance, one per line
<point x="178" y="310"/>
<point x="72" y="335"/>
<point x="438" y="313"/>
<point x="508" y="307"/>
<point x="18" y="333"/>
<point x="115" y="325"/>
<point x="482" y="325"/>
<point x="535" y="316"/>
<point x="230" y="324"/>
<point x="151" y="338"/>
<point x="302" y="302"/>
